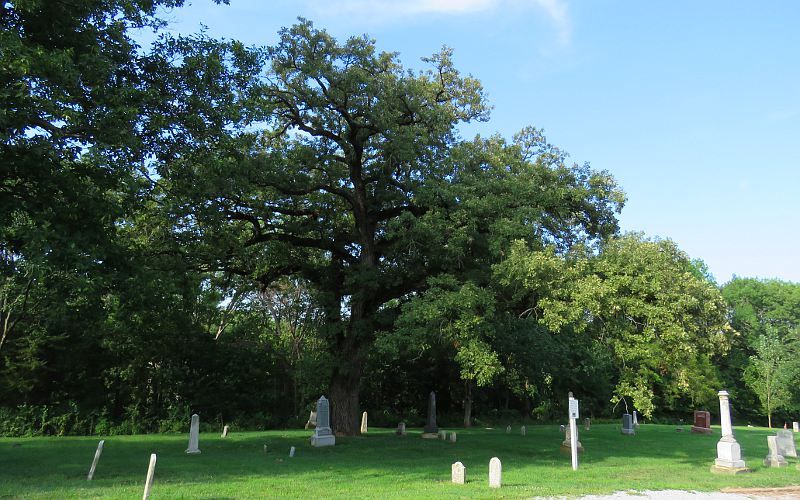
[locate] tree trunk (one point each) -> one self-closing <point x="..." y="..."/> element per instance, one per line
<point x="344" y="397"/>
<point x="467" y="404"/>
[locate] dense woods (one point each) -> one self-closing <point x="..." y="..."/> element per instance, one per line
<point x="200" y="226"/>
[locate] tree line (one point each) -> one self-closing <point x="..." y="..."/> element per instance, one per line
<point x="201" y="226"/>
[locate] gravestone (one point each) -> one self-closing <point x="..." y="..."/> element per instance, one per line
<point x="587" y="423"/>
<point x="148" y="482"/>
<point x="635" y="419"/>
<point x="452" y="437"/>
<point x="225" y="431"/>
<point x="323" y="436"/>
<point x="194" y="435"/>
<point x="796" y="426"/>
<point x="785" y="440"/>
<point x="495" y="473"/>
<point x="627" y="424"/>
<point x="562" y="428"/>
<point x="265" y="449"/>
<point x="443" y="435"/>
<point x="523" y="430"/>
<point x="566" y="445"/>
<point x="291" y="452"/>
<point x="774" y="458"/>
<point x="729" y="453"/>
<point x="702" y="422"/>
<point x="508" y="430"/>
<point x="401" y="429"/>
<point x="364" y="423"/>
<point x="458" y="473"/>
<point x="431" y="429"/>
<point x="96" y="459"/>
<point x="312" y="420"/>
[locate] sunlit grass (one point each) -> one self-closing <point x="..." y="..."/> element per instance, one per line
<point x="380" y="465"/>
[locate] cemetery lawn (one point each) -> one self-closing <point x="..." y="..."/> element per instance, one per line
<point x="381" y="465"/>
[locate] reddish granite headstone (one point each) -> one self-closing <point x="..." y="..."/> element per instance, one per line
<point x="702" y="422"/>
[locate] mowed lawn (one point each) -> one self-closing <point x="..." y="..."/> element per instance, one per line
<point x="380" y="465"/>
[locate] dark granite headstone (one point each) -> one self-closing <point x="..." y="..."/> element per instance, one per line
<point x="430" y="424"/>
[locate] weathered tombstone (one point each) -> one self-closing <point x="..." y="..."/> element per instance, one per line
<point x="702" y="422"/>
<point x="312" y="420"/>
<point x="627" y="424"/>
<point x="785" y="440"/>
<point x="452" y="437"/>
<point x="508" y="430"/>
<point x="523" y="430"/>
<point x="265" y="449"/>
<point x="148" y="482"/>
<point x="364" y="423"/>
<point x="323" y="436"/>
<point x="587" y="423"/>
<point x="291" y="452"/>
<point x="562" y="428"/>
<point x="774" y="458"/>
<point x="566" y="445"/>
<point x="796" y="426"/>
<point x="443" y="435"/>
<point x="194" y="435"/>
<point x="495" y="473"/>
<point x="431" y="429"/>
<point x="458" y="473"/>
<point x="225" y="431"/>
<point x="401" y="429"/>
<point x="729" y="453"/>
<point x="96" y="459"/>
<point x="635" y="419"/>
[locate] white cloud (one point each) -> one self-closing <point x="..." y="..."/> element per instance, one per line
<point x="387" y="11"/>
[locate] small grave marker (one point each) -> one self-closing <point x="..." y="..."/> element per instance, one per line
<point x="587" y="423"/>
<point x="291" y="452"/>
<point x="401" y="429"/>
<point x="148" y="482"/>
<point x="627" y="425"/>
<point x="225" y="431"/>
<point x="774" y="458"/>
<point x="508" y="430"/>
<point x="364" y="428"/>
<point x="523" y="430"/>
<point x="785" y="441"/>
<point x="194" y="435"/>
<point x="495" y="473"/>
<point x="96" y="459"/>
<point x="458" y="473"/>
<point x="452" y="437"/>
<point x="312" y="420"/>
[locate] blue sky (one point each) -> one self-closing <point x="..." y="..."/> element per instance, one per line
<point x="694" y="107"/>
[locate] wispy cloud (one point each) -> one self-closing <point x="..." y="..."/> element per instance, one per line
<point x="388" y="11"/>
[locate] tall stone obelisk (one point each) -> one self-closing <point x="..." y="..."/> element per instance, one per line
<point x="729" y="453"/>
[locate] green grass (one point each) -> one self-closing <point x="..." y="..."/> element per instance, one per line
<point x="380" y="465"/>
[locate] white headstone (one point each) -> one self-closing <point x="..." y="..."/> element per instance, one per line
<point x="148" y="482"/>
<point x="443" y="435"/>
<point x="587" y="423"/>
<point x="452" y="437"/>
<point x="785" y="440"/>
<point x="291" y="451"/>
<point x="265" y="448"/>
<point x="225" y="431"/>
<point x="96" y="459"/>
<point x="312" y="420"/>
<point x="796" y="426"/>
<point x="562" y="428"/>
<point x="729" y="453"/>
<point x="635" y="419"/>
<point x="508" y="430"/>
<point x="458" y="473"/>
<point x="364" y="428"/>
<point x="523" y="430"/>
<point x="774" y="458"/>
<point x="401" y="429"/>
<point x="323" y="436"/>
<point x="194" y="435"/>
<point x="495" y="473"/>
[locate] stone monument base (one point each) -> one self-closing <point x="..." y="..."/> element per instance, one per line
<point x="566" y="448"/>
<point x="430" y="435"/>
<point x="702" y="430"/>
<point x="772" y="461"/>
<point x="192" y="452"/>
<point x="628" y="432"/>
<point x="721" y="469"/>
<point x="319" y="441"/>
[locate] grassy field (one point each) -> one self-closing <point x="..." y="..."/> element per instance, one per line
<point x="380" y="465"/>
